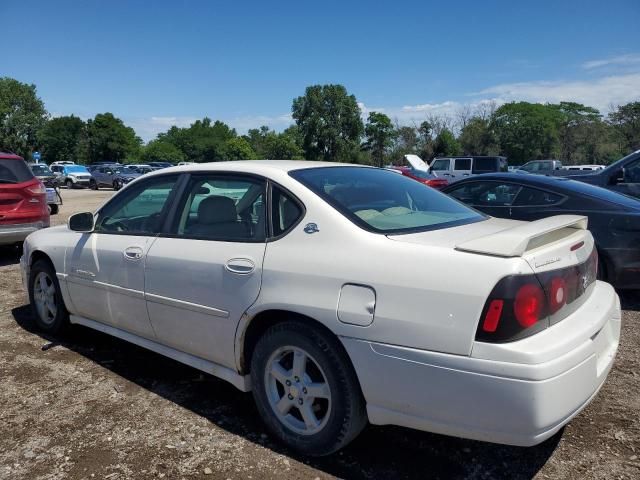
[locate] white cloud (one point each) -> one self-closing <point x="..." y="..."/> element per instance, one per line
<point x="599" y="93"/>
<point x="628" y="60"/>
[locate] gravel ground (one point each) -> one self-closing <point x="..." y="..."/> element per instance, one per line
<point x="91" y="406"/>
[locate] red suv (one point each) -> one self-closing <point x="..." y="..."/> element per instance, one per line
<point x="23" y="202"/>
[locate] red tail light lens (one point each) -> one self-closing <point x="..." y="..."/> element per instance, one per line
<point x="37" y="189"/>
<point x="528" y="304"/>
<point x="522" y="305"/>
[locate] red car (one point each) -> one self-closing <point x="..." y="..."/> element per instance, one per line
<point x="423" y="177"/>
<point x="23" y="202"/>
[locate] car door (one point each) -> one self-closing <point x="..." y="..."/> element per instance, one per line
<point x="105" y="268"/>
<point x="462" y="167"/>
<point x="491" y="197"/>
<point x="203" y="275"/>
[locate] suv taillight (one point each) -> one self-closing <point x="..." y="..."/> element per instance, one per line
<point x="37" y="189"/>
<point x="521" y="305"/>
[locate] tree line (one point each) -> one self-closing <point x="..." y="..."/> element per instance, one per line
<point x="328" y="126"/>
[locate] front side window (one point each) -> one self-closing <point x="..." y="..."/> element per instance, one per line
<point x="223" y="208"/>
<point x="442" y="164"/>
<point x="137" y="210"/>
<point x="462" y="164"/>
<point x="384" y="202"/>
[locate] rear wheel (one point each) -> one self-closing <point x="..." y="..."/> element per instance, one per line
<point x="306" y="390"/>
<point x="116" y="185"/>
<point x="53" y="209"/>
<point x="46" y="299"/>
<point x="93" y="185"/>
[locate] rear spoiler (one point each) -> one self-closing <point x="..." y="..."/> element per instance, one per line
<point x="514" y="242"/>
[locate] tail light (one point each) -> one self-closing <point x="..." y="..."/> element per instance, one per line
<point x="37" y="189"/>
<point x="522" y="305"/>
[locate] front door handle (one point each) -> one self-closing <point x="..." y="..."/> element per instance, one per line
<point x="240" y="266"/>
<point x="133" y="253"/>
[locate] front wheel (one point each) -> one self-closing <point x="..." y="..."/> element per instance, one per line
<point x="306" y="389"/>
<point x="46" y="299"/>
<point x="116" y="185"/>
<point x="69" y="184"/>
<point x="53" y="209"/>
<point x="93" y="185"/>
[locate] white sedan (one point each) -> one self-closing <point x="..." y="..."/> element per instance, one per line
<point x="340" y="295"/>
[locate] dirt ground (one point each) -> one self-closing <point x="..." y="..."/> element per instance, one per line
<point x="91" y="406"/>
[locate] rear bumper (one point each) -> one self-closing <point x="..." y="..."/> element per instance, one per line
<point x="17" y="233"/>
<point x="518" y="394"/>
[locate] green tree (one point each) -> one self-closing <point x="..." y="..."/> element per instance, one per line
<point x="22" y="115"/>
<point x="477" y="138"/>
<point x="238" y="148"/>
<point x="161" y="151"/>
<point x="425" y="141"/>
<point x="202" y="141"/>
<point x="527" y="131"/>
<point x="626" y="122"/>
<point x="445" y="144"/>
<point x="573" y="129"/>
<point x="61" y="139"/>
<point x="379" y="132"/>
<point x="329" y="122"/>
<point x="110" y="139"/>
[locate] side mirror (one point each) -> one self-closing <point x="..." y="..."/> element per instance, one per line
<point x="81" y="222"/>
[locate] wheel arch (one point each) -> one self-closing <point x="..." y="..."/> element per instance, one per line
<point x="251" y="329"/>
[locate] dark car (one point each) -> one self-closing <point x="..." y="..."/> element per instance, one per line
<point x="621" y="176"/>
<point x="160" y="164"/>
<point x="614" y="219"/>
<point x="423" y="177"/>
<point x="114" y="176"/>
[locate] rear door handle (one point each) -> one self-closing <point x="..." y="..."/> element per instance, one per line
<point x="240" y="266"/>
<point x="133" y="253"/>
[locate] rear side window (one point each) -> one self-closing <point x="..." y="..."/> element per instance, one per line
<point x="462" y="164"/>
<point x="534" y="197"/>
<point x="285" y="212"/>
<point x="14" y="171"/>
<point x="484" y="165"/>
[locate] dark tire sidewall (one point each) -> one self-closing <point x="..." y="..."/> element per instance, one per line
<point x="62" y="316"/>
<point x="347" y="405"/>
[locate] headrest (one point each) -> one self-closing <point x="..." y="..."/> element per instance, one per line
<point x="217" y="209"/>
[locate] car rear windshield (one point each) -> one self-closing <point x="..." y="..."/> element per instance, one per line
<point x="14" y="171"/>
<point x="385" y="202"/>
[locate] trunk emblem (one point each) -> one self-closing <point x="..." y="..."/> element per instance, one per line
<point x="546" y="262"/>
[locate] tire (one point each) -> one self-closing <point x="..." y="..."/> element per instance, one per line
<point x="116" y="185"/>
<point x="334" y="417"/>
<point x="45" y="298"/>
<point x="54" y="209"/>
<point x="93" y="185"/>
<point x="68" y="184"/>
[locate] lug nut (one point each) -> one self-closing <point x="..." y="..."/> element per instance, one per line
<point x="288" y="383"/>
<point x="296" y="379"/>
<point x="290" y="397"/>
<point x="304" y="390"/>
<point x="300" y="401"/>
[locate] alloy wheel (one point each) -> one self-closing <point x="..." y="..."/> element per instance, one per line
<point x="44" y="296"/>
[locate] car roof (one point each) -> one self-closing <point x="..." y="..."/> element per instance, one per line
<point x="254" y="166"/>
<point x="561" y="184"/>
<point x="10" y="156"/>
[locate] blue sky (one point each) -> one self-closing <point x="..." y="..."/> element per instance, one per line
<point x="158" y="63"/>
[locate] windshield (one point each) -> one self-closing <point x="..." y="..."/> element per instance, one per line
<point x="382" y="201"/>
<point x="41" y="169"/>
<point x="420" y="174"/>
<point x="75" y="169"/>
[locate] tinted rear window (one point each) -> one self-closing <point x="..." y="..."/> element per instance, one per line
<point x="485" y="165"/>
<point x="382" y="201"/>
<point x="14" y="171"/>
